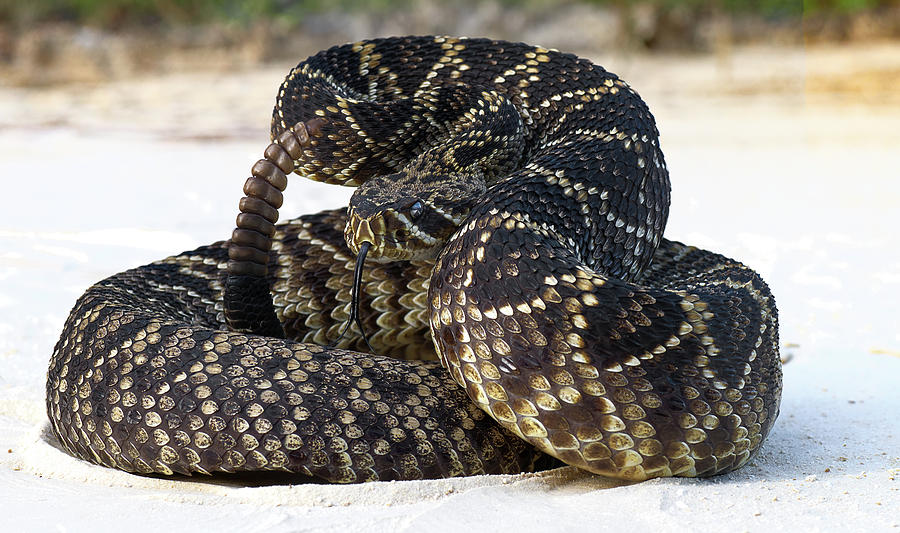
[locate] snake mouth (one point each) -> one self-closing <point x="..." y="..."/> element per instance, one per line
<point x="383" y="245"/>
<point x="361" y="230"/>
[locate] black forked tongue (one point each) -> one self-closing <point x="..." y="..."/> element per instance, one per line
<point x="354" y="297"/>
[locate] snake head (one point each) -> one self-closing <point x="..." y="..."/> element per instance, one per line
<point x="409" y="217"/>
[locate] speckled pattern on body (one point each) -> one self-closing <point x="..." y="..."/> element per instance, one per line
<point x="557" y="309"/>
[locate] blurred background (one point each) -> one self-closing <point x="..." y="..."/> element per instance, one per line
<point x="57" y="41"/>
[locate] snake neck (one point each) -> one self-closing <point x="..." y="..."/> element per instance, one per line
<point x="410" y="215"/>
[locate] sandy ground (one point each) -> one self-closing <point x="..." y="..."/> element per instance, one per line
<point x="786" y="159"/>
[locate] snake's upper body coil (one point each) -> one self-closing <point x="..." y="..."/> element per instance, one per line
<point x="535" y="183"/>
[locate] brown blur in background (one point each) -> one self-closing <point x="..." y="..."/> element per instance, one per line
<point x="47" y="42"/>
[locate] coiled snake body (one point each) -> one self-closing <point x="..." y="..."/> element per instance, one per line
<point x="514" y="199"/>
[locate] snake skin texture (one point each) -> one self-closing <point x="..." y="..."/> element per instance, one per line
<point x="564" y="324"/>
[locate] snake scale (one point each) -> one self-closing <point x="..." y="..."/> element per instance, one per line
<point x="519" y="297"/>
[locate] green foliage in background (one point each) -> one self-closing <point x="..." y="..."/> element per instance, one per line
<point x="843" y="6"/>
<point x="119" y="13"/>
<point x="766" y="8"/>
<point x="113" y="13"/>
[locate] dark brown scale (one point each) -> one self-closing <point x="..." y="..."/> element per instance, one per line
<point x="558" y="308"/>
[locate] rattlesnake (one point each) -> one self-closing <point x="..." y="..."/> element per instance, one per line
<point x="515" y="198"/>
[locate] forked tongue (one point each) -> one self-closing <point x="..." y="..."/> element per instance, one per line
<point x="354" y="297"/>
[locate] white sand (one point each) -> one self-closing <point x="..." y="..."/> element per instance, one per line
<point x="769" y="163"/>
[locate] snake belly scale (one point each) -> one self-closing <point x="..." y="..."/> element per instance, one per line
<point x="552" y="319"/>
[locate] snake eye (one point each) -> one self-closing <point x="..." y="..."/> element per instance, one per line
<point x="416" y="209"/>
